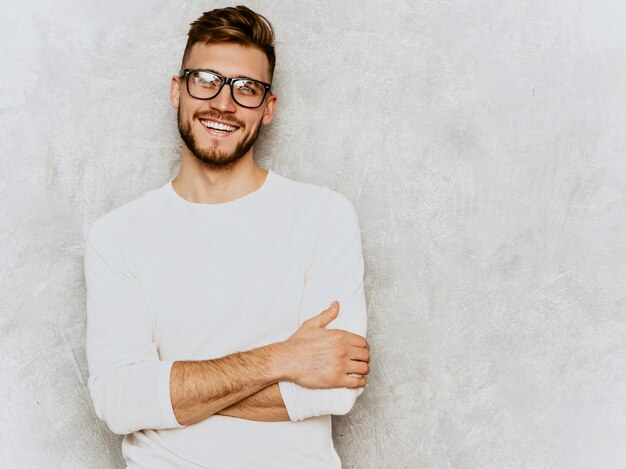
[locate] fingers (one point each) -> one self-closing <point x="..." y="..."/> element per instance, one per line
<point x="359" y="368"/>
<point x="355" y="340"/>
<point x="354" y="380"/>
<point x="359" y="354"/>
<point x="358" y="374"/>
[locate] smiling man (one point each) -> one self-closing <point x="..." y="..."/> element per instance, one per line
<point x="210" y="339"/>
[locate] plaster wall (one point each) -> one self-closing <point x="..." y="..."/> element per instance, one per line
<point x="482" y="144"/>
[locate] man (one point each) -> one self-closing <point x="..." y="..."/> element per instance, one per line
<point x="210" y="338"/>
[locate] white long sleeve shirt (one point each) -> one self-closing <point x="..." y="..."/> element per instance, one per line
<point x="168" y="279"/>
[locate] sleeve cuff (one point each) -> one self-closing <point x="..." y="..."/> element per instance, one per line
<point x="287" y="392"/>
<point x="165" y="399"/>
<point x="302" y="403"/>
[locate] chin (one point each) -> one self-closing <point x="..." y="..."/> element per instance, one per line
<point x="213" y="158"/>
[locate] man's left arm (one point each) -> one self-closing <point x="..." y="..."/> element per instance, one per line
<point x="265" y="406"/>
<point x="335" y="272"/>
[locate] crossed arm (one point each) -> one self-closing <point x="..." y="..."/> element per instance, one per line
<point x="267" y="405"/>
<point x="245" y="385"/>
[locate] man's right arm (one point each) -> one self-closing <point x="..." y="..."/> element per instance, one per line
<point x="311" y="357"/>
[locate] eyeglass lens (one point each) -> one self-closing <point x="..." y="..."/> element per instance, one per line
<point x="206" y="85"/>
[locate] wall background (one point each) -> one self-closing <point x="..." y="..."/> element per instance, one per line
<point x="482" y="144"/>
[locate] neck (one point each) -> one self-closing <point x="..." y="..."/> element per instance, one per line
<point x="199" y="184"/>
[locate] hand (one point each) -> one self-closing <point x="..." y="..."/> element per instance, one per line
<point x="327" y="358"/>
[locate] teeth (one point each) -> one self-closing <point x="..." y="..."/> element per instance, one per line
<point x="218" y="126"/>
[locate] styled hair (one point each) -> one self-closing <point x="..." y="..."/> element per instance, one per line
<point x="238" y="25"/>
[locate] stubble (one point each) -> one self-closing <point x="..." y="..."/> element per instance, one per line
<point x="211" y="157"/>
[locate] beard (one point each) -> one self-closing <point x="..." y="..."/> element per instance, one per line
<point x="211" y="157"/>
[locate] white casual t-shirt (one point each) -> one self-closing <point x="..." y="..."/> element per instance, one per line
<point x="168" y="279"/>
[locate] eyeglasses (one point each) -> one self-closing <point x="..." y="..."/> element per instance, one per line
<point x="204" y="84"/>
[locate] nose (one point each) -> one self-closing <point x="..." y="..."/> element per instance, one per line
<point x="223" y="102"/>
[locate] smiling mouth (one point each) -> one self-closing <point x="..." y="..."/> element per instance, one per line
<point x="218" y="126"/>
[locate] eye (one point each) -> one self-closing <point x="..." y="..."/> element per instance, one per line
<point x="206" y="80"/>
<point x="248" y="87"/>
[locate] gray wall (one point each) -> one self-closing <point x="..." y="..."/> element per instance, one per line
<point x="483" y="146"/>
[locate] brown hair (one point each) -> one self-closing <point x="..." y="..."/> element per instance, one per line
<point x="239" y="25"/>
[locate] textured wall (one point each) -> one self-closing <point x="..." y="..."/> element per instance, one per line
<point x="482" y="143"/>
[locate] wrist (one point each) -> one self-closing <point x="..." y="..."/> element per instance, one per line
<point x="280" y="363"/>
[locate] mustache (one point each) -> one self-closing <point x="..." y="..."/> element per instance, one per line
<point x="218" y="116"/>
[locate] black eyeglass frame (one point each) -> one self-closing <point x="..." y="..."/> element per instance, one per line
<point x="224" y="81"/>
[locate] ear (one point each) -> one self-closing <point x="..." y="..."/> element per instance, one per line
<point x="270" y="107"/>
<point x="175" y="91"/>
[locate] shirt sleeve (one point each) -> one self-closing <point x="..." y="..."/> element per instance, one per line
<point x="128" y="384"/>
<point x="334" y="272"/>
